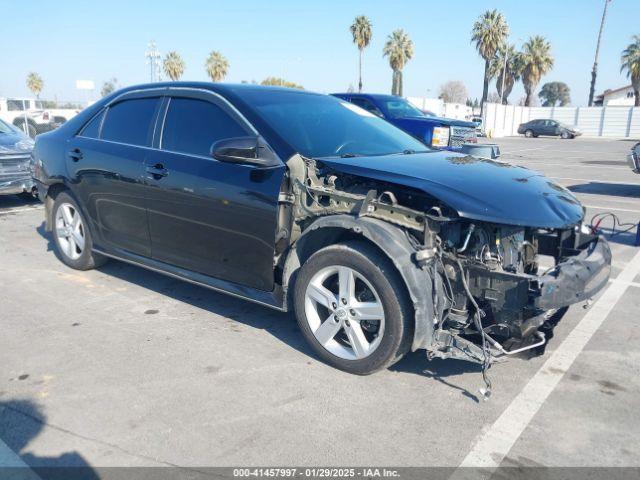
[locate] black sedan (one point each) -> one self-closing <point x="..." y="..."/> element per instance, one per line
<point x="535" y="128"/>
<point x="296" y="200"/>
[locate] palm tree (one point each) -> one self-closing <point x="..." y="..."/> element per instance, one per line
<point x="216" y="66"/>
<point x="536" y="62"/>
<point x="361" y="32"/>
<point x="174" y="66"/>
<point x="35" y="83"/>
<point x="631" y="63"/>
<point x="399" y="49"/>
<point x="511" y="71"/>
<point x="489" y="33"/>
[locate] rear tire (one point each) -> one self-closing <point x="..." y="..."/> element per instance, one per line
<point x="369" y="331"/>
<point x="528" y="133"/>
<point x="71" y="235"/>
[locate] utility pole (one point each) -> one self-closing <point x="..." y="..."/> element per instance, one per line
<point x="153" y="60"/>
<point x="594" y="72"/>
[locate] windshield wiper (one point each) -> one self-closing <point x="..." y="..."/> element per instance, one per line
<point x="348" y="155"/>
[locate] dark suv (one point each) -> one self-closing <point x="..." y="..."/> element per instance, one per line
<point x="296" y="200"/>
<point x="535" y="128"/>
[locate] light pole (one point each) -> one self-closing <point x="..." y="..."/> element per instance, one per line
<point x="153" y="59"/>
<point x="594" y="72"/>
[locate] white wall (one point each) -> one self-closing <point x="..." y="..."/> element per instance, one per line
<point x="503" y="120"/>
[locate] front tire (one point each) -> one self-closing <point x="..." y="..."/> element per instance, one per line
<point x="565" y="135"/>
<point x="71" y="235"/>
<point x="353" y="309"/>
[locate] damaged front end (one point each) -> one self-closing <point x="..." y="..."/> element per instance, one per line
<point x="492" y="289"/>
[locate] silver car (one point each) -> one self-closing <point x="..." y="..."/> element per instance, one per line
<point x="15" y="155"/>
<point x="634" y="158"/>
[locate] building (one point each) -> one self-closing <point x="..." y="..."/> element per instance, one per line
<point x="622" y="97"/>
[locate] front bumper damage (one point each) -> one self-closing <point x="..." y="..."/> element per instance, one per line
<point x="519" y="311"/>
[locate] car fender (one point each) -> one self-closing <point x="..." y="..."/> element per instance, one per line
<point x="394" y="243"/>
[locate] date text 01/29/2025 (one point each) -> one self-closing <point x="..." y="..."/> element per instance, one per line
<point x="315" y="472"/>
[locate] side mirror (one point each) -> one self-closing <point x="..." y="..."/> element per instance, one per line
<point x="244" y="150"/>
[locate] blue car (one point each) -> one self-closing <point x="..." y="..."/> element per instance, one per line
<point x="435" y="132"/>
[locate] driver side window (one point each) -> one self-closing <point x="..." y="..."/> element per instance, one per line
<point x="192" y="126"/>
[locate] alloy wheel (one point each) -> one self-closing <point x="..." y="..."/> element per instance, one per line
<point x="344" y="312"/>
<point x="69" y="231"/>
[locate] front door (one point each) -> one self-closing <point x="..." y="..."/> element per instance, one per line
<point x="106" y="162"/>
<point x="215" y="218"/>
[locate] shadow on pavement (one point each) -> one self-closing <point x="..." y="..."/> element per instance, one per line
<point x="281" y="325"/>
<point x="14" y="201"/>
<point x="603" y="188"/>
<point x="20" y="422"/>
<point x="438" y="369"/>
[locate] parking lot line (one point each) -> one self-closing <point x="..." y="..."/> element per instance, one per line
<point x="495" y="443"/>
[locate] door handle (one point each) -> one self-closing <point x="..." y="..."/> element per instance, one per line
<point x="74" y="154"/>
<point x="157" y="171"/>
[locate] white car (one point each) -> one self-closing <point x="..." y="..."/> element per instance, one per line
<point x="27" y="114"/>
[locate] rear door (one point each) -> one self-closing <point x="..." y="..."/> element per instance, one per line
<point x="215" y="218"/>
<point x="106" y="162"/>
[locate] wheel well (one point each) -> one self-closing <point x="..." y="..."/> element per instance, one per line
<point x="319" y="238"/>
<point x="52" y="193"/>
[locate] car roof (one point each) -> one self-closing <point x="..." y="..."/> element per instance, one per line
<point x="372" y="96"/>
<point x="223" y="89"/>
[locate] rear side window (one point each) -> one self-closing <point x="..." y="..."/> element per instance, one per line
<point x="130" y="121"/>
<point x="193" y="126"/>
<point x="92" y="129"/>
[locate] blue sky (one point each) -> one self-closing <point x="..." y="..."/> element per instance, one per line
<point x="307" y="42"/>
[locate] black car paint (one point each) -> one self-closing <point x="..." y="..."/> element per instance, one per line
<point x="223" y="216"/>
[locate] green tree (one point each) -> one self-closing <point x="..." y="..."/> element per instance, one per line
<point x="511" y="73"/>
<point x="489" y="33"/>
<point x="631" y="63"/>
<point x="35" y="83"/>
<point x="553" y="93"/>
<point x="536" y="62"/>
<point x="173" y="66"/>
<point x="280" y="82"/>
<point x="399" y="49"/>
<point x="217" y="66"/>
<point x="361" y="32"/>
<point x="109" y="87"/>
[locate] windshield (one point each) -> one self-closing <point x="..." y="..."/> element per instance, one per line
<point x="324" y="126"/>
<point x="401" y="108"/>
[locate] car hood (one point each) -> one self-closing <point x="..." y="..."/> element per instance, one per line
<point x="444" y="121"/>
<point x="478" y="189"/>
<point x="15" y="143"/>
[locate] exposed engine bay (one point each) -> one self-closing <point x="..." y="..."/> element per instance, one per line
<point x="490" y="296"/>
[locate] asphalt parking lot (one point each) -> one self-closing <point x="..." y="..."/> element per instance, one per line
<point x="124" y="367"/>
